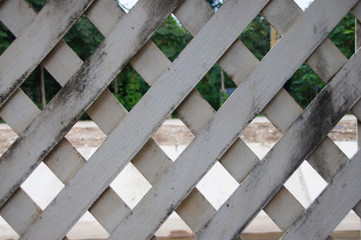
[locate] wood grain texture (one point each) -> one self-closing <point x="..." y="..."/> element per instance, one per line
<point x="64" y="161"/>
<point x="49" y="26"/>
<point x="93" y="164"/>
<point x="268" y="176"/>
<point x="75" y="97"/>
<point x="230" y="114"/>
<point x="334" y="203"/>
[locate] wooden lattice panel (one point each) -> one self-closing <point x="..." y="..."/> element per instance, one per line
<point x="304" y="39"/>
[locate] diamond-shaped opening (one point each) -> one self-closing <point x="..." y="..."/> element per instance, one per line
<point x="173" y="137"/>
<point x="343" y="35"/>
<point x="256" y="36"/>
<point x="128" y="87"/>
<point x="127" y="4"/>
<point x="171" y="37"/>
<point x="7" y="137"/>
<point x="83" y="37"/>
<point x="6" y="231"/>
<point x="87" y="228"/>
<point x="42" y="186"/>
<point x="344" y="135"/>
<point x="130" y="185"/>
<point x="37" y="4"/>
<point x="6" y="38"/>
<point x="216" y="87"/>
<point x="86" y="137"/>
<point x="305" y="184"/>
<point x="304" y="4"/>
<point x="260" y="136"/>
<point x="348" y="228"/>
<point x="262" y="227"/>
<point x="174" y="228"/>
<point x="304" y="85"/>
<point x="217" y="185"/>
<point x="40" y="93"/>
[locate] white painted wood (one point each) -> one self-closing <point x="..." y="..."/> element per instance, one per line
<point x="232" y="163"/>
<point x="43" y="33"/>
<point x="21" y="212"/>
<point x="238" y="160"/>
<point x="327" y="211"/>
<point x="64" y="161"/>
<point x="326" y="60"/>
<point x="111" y="14"/>
<point x="191" y="18"/>
<point x="195" y="210"/>
<point x="269" y="176"/>
<point x="79" y="92"/>
<point x="356" y="11"/>
<point x="136" y="13"/>
<point x="109" y="209"/>
<point x="20" y="111"/>
<point x="10" y="10"/>
<point x="150" y="63"/>
<point x="233" y="115"/>
<point x="62" y="63"/>
<point x="210" y="39"/>
<point x="239" y="62"/>
<point x="284" y="209"/>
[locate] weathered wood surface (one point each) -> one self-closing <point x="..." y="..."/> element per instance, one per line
<point x="232" y="114"/>
<point x="210" y="39"/>
<point x="42" y="35"/>
<point x="268" y="176"/>
<point x="194" y="111"/>
<point x="77" y="95"/>
<point x="331" y="206"/>
<point x="150" y="163"/>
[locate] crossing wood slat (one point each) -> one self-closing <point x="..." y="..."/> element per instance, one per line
<point x="64" y="161"/>
<point x="77" y="90"/>
<point x="162" y="83"/>
<point x="49" y="26"/>
<point x="227" y="116"/>
<point x="327" y="211"/>
<point x="191" y="111"/>
<point x="268" y="176"/>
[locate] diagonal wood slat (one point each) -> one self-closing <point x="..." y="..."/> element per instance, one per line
<point x="231" y="112"/>
<point x="76" y="89"/>
<point x="237" y="61"/>
<point x="329" y="209"/>
<point x="53" y="21"/>
<point x="71" y="162"/>
<point x="327" y="109"/>
<point x="163" y="83"/>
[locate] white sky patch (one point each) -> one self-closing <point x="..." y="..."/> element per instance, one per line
<point x="303" y="3"/>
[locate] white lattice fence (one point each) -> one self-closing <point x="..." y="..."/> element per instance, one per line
<point x="41" y="133"/>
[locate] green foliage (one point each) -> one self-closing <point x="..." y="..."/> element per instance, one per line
<point x="131" y="87"/>
<point x="83" y="38"/>
<point x="6" y="37"/>
<point x="304" y="85"/>
<point x="343" y="36"/>
<point x="257" y="37"/>
<point x="209" y="87"/>
<point x="171" y="38"/>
